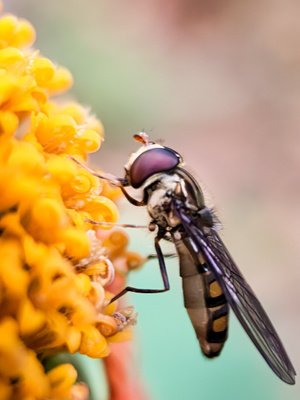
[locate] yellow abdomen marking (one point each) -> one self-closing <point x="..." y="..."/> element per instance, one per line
<point x="220" y="324"/>
<point x="214" y="289"/>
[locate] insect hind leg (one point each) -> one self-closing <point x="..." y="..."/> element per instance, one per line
<point x="163" y="272"/>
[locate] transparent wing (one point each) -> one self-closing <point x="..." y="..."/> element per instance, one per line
<point x="239" y="295"/>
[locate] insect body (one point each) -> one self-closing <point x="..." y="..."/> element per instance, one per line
<point x="211" y="280"/>
<point x="203" y="298"/>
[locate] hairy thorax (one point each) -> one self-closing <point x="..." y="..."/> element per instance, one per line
<point x="160" y="206"/>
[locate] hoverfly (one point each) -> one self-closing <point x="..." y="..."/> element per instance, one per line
<point x="210" y="278"/>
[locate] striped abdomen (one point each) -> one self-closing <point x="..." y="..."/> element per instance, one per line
<point x="205" y="303"/>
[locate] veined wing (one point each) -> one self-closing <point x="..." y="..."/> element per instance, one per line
<point x="239" y="295"/>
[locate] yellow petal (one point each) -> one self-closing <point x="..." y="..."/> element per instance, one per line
<point x="61" y="379"/>
<point x="77" y="243"/>
<point x="135" y="260"/>
<point x="26" y="157"/>
<point x="107" y="325"/>
<point x="30" y="319"/>
<point x="24" y="34"/>
<point x="76" y="112"/>
<point x="12" y="354"/>
<point x="73" y="339"/>
<point x="13" y="276"/>
<point x="79" y="219"/>
<point x="10" y="55"/>
<point x="81" y="183"/>
<point x="7" y="27"/>
<point x="39" y="95"/>
<point x="61" y="81"/>
<point x="112" y="307"/>
<point x="90" y="141"/>
<point x="8" y="86"/>
<point x="33" y="373"/>
<point x="5" y="389"/>
<point x="83" y="284"/>
<point x="48" y="213"/>
<point x="61" y="169"/>
<point x="8" y="123"/>
<point x="123" y="336"/>
<point x="102" y="209"/>
<point x="116" y="243"/>
<point x="93" y="344"/>
<point x="42" y="70"/>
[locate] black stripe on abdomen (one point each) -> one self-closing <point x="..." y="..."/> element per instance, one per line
<point x="217" y="327"/>
<point x="203" y="298"/>
<point x="218" y="312"/>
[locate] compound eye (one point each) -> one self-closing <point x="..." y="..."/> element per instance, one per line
<point x="152" y="162"/>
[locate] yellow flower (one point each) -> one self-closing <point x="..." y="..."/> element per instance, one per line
<point x="53" y="265"/>
<point x="61" y="379"/>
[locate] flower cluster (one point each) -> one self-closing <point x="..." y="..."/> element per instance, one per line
<point x="53" y="267"/>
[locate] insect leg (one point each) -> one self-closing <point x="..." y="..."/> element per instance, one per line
<point x="90" y="221"/>
<point x="131" y="199"/>
<point x="168" y="255"/>
<point x="163" y="272"/>
<point x="108" y="177"/>
<point x="119" y="182"/>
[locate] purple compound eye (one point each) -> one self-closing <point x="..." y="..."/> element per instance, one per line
<point x="152" y="162"/>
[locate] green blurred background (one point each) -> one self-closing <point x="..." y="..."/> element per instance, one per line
<point x="219" y="81"/>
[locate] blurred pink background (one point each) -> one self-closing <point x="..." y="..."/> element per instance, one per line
<point x="219" y="81"/>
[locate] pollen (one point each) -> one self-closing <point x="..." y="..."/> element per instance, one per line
<point x="54" y="266"/>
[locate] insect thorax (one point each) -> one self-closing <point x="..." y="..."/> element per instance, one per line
<point x="164" y="190"/>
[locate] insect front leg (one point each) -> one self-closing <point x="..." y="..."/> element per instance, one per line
<point x="163" y="272"/>
<point x="115" y="181"/>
